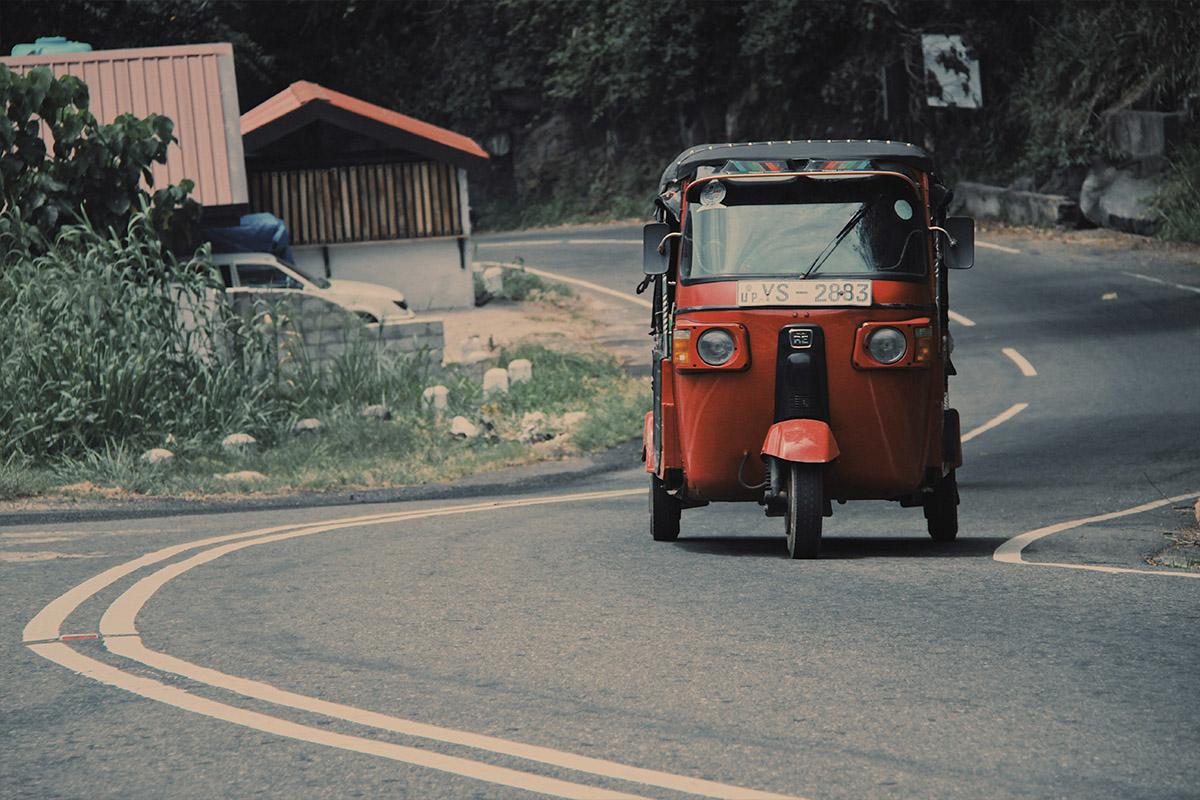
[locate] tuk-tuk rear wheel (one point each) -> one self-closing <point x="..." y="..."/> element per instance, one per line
<point x="805" y="509"/>
<point x="941" y="509"/>
<point x="665" y="509"/>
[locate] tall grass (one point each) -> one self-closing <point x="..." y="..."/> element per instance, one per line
<point x="96" y="353"/>
<point x="1178" y="201"/>
<point x="109" y="346"/>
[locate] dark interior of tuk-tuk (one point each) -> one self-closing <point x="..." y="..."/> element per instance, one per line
<point x="802" y="225"/>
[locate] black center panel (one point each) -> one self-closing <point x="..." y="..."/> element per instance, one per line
<point x="801" y="390"/>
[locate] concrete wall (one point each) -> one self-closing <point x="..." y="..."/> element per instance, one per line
<point x="1021" y="208"/>
<point x="326" y="331"/>
<point x="430" y="272"/>
<point x="1145" y="136"/>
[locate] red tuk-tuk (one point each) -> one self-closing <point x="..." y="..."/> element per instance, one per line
<point x="802" y="348"/>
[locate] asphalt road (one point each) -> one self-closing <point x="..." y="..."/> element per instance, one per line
<point x="538" y="642"/>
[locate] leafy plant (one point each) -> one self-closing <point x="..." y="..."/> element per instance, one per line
<point x="1094" y="60"/>
<point x="522" y="285"/>
<point x="93" y="171"/>
<point x="1178" y="201"/>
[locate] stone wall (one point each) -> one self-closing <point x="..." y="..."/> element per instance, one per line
<point x="307" y="326"/>
<point x="1112" y="195"/>
<point x="1015" y="206"/>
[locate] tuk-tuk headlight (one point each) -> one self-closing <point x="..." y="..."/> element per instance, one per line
<point x="715" y="347"/>
<point x="887" y="345"/>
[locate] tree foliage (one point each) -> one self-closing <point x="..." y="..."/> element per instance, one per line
<point x="625" y="84"/>
<point x="1095" y="59"/>
<point x="94" y="351"/>
<point x="91" y="171"/>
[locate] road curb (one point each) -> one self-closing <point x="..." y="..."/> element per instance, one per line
<point x="511" y="480"/>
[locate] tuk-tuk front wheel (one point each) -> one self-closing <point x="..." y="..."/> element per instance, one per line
<point x="941" y="509"/>
<point x="805" y="509"/>
<point x="665" y="509"/>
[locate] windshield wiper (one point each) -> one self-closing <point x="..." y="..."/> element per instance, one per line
<point x="828" y="249"/>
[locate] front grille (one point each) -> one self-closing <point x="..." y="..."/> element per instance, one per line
<point x="800" y="378"/>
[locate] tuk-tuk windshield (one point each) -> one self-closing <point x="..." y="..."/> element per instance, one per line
<point x="804" y="226"/>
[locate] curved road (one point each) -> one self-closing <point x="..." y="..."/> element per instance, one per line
<point x="543" y="645"/>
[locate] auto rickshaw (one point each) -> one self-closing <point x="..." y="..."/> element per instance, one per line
<point x="801" y="329"/>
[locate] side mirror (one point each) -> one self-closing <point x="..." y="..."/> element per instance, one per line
<point x="960" y="249"/>
<point x="654" y="262"/>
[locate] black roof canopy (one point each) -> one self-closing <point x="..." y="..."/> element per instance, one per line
<point x="715" y="155"/>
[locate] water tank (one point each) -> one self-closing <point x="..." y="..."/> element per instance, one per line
<point x="49" y="46"/>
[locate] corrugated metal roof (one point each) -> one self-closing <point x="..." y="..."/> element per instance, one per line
<point x="304" y="102"/>
<point x="194" y="85"/>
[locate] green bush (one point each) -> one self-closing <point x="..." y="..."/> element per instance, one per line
<point x="522" y="285"/>
<point x="1096" y="59"/>
<point x="1178" y="201"/>
<point x="93" y="172"/>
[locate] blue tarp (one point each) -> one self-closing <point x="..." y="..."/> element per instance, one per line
<point x="256" y="233"/>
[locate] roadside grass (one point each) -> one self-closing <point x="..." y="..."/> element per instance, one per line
<point x="519" y="285"/>
<point x="352" y="451"/>
<point x="98" y="368"/>
<point x="1178" y="200"/>
<point x="349" y="451"/>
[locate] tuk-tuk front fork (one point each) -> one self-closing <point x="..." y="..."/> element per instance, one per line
<point x="795" y="441"/>
<point x="774" y="499"/>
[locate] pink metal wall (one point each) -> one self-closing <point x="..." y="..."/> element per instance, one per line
<point x="194" y="85"/>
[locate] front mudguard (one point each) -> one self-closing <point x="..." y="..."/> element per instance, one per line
<point x="804" y="441"/>
<point x="800" y="441"/>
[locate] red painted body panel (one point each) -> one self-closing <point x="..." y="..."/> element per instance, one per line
<point x="886" y="422"/>
<point x="670" y="429"/>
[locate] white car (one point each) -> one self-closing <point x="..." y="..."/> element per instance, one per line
<point x="263" y="272"/>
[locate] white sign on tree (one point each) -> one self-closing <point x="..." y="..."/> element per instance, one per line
<point x="951" y="75"/>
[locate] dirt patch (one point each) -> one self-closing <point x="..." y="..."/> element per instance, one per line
<point x="502" y="323"/>
<point x="1184" y="552"/>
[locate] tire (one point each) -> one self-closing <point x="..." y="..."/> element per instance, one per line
<point x="664" y="512"/>
<point x="805" y="509"/>
<point x="941" y="509"/>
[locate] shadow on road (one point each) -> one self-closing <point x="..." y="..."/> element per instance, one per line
<point x="844" y="547"/>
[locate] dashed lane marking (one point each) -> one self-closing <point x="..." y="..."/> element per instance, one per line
<point x="1182" y="286"/>
<point x="999" y="419"/>
<point x="1022" y="363"/>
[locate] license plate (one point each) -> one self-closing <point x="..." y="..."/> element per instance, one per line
<point x="804" y="293"/>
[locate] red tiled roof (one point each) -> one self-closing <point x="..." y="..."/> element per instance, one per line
<point x="194" y="85"/>
<point x="284" y="112"/>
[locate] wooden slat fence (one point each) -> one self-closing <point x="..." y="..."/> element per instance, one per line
<point x="365" y="203"/>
